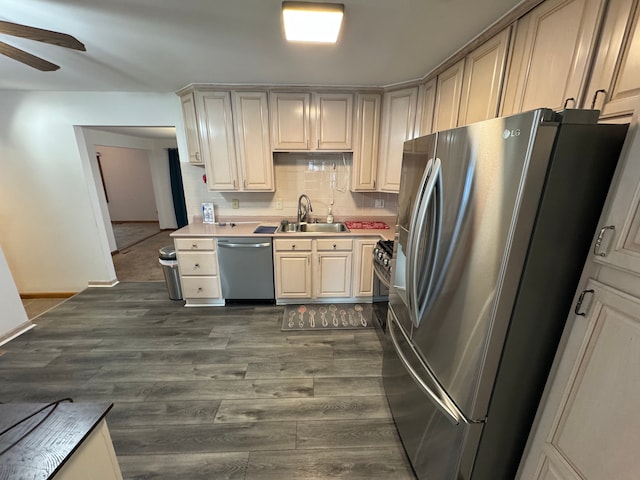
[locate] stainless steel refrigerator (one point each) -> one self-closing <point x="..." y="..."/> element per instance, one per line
<point x="495" y="222"/>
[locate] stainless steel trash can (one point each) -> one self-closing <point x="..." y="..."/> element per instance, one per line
<point x="169" y="264"/>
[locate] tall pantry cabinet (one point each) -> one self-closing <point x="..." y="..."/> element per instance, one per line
<point x="588" y="427"/>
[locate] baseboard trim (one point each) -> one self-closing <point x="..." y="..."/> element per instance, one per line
<point x="28" y="325"/>
<point x="27" y="296"/>
<point x="109" y="283"/>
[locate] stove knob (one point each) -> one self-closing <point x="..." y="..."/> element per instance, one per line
<point x="375" y="251"/>
<point x="386" y="262"/>
<point x="380" y="255"/>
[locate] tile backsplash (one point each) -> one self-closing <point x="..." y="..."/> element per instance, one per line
<point x="324" y="177"/>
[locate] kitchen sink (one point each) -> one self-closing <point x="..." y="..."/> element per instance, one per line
<point x="313" y="228"/>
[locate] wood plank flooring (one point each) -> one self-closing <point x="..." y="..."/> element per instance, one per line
<point x="212" y="392"/>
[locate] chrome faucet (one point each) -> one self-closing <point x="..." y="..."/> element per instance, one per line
<point x="303" y="211"/>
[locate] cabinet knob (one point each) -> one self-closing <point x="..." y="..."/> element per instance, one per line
<point x="335" y="246"/>
<point x="194" y="245"/>
<point x="197" y="265"/>
<point x="293" y="246"/>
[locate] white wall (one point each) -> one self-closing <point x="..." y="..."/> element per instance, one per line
<point x="127" y="179"/>
<point x="13" y="316"/>
<point x="51" y="224"/>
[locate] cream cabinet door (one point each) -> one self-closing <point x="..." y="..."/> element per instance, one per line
<point x="365" y="153"/>
<point x="617" y="243"/>
<point x="333" y="274"/>
<point x="251" y="115"/>
<point x="293" y="275"/>
<point x="448" y="92"/>
<point x="553" y="47"/>
<point x="594" y="426"/>
<point x="217" y="139"/>
<point x="398" y="123"/>
<point x="191" y="127"/>
<point x="426" y="107"/>
<point x="484" y="71"/>
<point x="363" y="270"/>
<point x="333" y="121"/>
<point x="614" y="88"/>
<point x="290" y="121"/>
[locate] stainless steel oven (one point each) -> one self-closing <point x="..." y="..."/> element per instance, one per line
<point x="382" y="254"/>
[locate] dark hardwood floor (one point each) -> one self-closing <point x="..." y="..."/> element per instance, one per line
<point x="213" y="392"/>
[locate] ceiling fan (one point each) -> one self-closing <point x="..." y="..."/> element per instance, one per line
<point x="40" y="35"/>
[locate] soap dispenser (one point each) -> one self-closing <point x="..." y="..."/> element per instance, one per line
<point x="330" y="215"/>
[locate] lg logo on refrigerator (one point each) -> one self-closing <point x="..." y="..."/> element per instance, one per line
<point x="510" y="133"/>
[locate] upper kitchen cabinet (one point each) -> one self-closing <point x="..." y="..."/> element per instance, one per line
<point x="251" y="117"/>
<point x="398" y="123"/>
<point x="614" y="88"/>
<point x="311" y="121"/>
<point x="553" y="48"/>
<point x="191" y="127"/>
<point x="365" y="152"/>
<point x="333" y="121"/>
<point x="290" y="118"/>
<point x="217" y="139"/>
<point x="234" y="135"/>
<point x="426" y="106"/>
<point x="484" y="71"/>
<point x="448" y="93"/>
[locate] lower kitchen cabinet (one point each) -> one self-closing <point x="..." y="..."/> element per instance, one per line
<point x="333" y="272"/>
<point x="198" y="267"/>
<point x="363" y="267"/>
<point x="324" y="269"/>
<point x="589" y="429"/>
<point x="292" y="267"/>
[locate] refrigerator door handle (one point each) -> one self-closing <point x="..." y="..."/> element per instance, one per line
<point x="413" y="232"/>
<point x="433" y="193"/>
<point x="450" y="411"/>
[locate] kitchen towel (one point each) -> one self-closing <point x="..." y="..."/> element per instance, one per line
<point x="327" y="316"/>
<point x="359" y="225"/>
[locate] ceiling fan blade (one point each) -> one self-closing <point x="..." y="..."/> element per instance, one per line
<point x="27" y="58"/>
<point x="41" y="35"/>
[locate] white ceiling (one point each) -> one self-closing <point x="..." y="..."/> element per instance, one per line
<point x="163" y="45"/>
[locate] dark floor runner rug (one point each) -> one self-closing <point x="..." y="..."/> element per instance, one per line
<point x="341" y="316"/>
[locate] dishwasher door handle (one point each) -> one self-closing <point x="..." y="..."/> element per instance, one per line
<point x="244" y="245"/>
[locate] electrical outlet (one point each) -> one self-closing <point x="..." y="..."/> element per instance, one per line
<point x="279" y="204"/>
<point x="235" y="203"/>
<point x="379" y="203"/>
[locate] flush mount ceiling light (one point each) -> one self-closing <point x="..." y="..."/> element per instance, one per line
<point x="312" y="22"/>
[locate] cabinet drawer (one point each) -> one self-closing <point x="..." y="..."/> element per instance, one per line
<point x="297" y="244"/>
<point x="195" y="243"/>
<point x="200" y="287"/>
<point x="197" y="263"/>
<point x="334" y="244"/>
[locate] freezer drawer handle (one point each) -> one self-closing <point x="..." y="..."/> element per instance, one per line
<point x="580" y="300"/>
<point x="244" y="245"/>
<point x="596" y="247"/>
<point x="445" y="409"/>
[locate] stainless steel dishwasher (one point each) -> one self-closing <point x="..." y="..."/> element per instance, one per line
<point x="246" y="268"/>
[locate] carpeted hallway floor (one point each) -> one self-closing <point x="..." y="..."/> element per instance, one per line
<point x="139" y="263"/>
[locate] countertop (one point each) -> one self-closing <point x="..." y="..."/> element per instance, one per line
<point x="39" y="447"/>
<point x="246" y="229"/>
